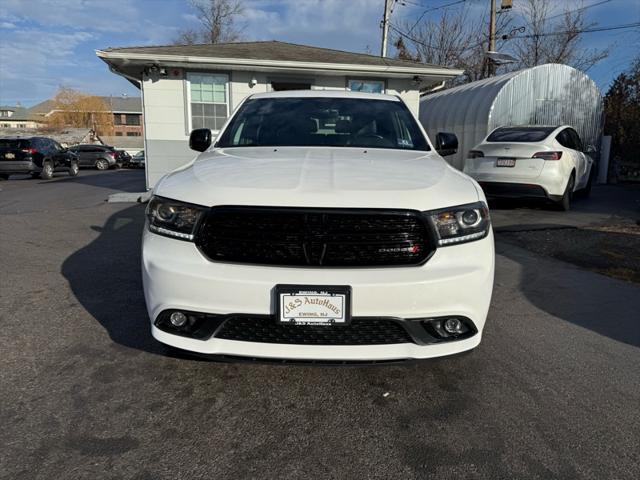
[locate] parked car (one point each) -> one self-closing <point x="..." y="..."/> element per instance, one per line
<point x="122" y="158"/>
<point x="37" y="156"/>
<point x="320" y="226"/>
<point x="137" y="161"/>
<point x="547" y="162"/>
<point x="101" y="157"/>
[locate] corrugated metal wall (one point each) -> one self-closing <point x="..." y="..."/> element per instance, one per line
<point x="544" y="95"/>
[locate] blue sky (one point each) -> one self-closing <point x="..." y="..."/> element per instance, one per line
<point x="48" y="43"/>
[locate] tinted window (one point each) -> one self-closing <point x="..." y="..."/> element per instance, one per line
<point x="564" y="138"/>
<point x="13" y="144"/>
<point x="44" y="145"/>
<point x="576" y="139"/>
<point x="520" y="134"/>
<point x="332" y="122"/>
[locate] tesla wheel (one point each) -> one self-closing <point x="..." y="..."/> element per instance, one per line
<point x="586" y="191"/>
<point x="74" y="169"/>
<point x="47" y="171"/>
<point x="102" y="164"/>
<point x="565" y="202"/>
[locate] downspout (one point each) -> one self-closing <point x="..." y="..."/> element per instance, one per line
<point x="434" y="89"/>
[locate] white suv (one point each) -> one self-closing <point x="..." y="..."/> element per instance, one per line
<point x="534" y="161"/>
<point x="320" y="226"/>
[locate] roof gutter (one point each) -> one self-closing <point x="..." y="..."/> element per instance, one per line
<point x="279" y="64"/>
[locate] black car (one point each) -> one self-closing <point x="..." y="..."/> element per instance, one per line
<point x="101" y="157"/>
<point x="38" y="156"/>
<point x="122" y="158"/>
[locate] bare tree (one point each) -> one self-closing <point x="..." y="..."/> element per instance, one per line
<point x="453" y="40"/>
<point x="456" y="40"/>
<point x="218" y="19"/>
<point x="548" y="41"/>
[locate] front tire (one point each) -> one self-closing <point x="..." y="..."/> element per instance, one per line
<point x="74" y="169"/>
<point x="102" y="164"/>
<point x="564" y="203"/>
<point x="47" y="171"/>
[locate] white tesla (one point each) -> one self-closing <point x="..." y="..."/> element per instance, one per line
<point x="532" y="161"/>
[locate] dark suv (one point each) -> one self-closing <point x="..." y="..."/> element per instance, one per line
<point x="38" y="156"/>
<point x="101" y="157"/>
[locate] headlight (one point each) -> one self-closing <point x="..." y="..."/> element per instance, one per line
<point x="461" y="224"/>
<point x="172" y="218"/>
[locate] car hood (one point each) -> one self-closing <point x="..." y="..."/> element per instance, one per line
<point x="319" y="177"/>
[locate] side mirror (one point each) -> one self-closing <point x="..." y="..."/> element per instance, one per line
<point x="446" y="143"/>
<point x="589" y="149"/>
<point x="200" y="139"/>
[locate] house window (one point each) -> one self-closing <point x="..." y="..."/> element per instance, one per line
<point x="209" y="100"/>
<point x="133" y="119"/>
<point x="133" y="134"/>
<point x="117" y="119"/>
<point x="367" y="86"/>
<point x="118" y="134"/>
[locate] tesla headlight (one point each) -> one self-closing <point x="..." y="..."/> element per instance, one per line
<point x="461" y="224"/>
<point x="172" y="218"/>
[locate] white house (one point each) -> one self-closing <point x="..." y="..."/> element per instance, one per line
<point x="193" y="86"/>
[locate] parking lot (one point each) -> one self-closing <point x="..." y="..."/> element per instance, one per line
<point x="552" y="391"/>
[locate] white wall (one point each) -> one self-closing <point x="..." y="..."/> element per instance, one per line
<point x="166" y="114"/>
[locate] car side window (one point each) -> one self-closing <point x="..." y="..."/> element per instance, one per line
<point x="44" y="145"/>
<point x="576" y="140"/>
<point x="564" y="139"/>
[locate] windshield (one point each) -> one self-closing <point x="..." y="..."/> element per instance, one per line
<point x="323" y="122"/>
<point x="520" y="134"/>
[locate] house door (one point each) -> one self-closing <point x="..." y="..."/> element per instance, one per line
<point x="279" y="86"/>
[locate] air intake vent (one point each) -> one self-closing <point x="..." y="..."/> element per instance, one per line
<point x="315" y="237"/>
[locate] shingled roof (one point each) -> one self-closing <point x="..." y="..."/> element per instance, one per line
<point x="115" y="104"/>
<point x="270" y="50"/>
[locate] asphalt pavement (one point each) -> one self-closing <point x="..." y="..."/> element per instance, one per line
<point x="552" y="392"/>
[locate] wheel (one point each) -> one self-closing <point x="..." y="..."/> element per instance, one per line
<point x="564" y="203"/>
<point x="4" y="176"/>
<point x="74" y="169"/>
<point x="102" y="164"/>
<point x="586" y="191"/>
<point x="47" y="171"/>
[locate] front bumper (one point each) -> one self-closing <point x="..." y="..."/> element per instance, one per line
<point x="457" y="280"/>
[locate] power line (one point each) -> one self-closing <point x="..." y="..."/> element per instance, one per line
<point x="548" y="34"/>
<point x="431" y="9"/>
<point x="585" y="30"/>
<point x="579" y="9"/>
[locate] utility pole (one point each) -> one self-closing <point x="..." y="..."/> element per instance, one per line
<point x="492" y="37"/>
<point x="385" y="28"/>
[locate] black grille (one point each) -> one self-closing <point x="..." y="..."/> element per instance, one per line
<point x="361" y="331"/>
<point x="315" y="237"/>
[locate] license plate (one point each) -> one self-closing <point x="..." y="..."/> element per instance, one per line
<point x="506" y="162"/>
<point x="313" y="305"/>
<point x="9" y="155"/>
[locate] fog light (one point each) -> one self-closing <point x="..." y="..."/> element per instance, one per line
<point x="178" y="319"/>
<point x="453" y="326"/>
